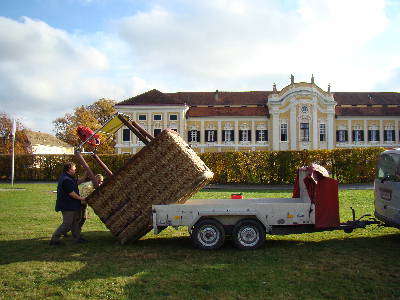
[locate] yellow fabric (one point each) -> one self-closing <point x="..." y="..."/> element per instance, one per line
<point x="112" y="126"/>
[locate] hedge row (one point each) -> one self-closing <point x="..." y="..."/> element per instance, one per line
<point x="355" y="165"/>
<point x="270" y="167"/>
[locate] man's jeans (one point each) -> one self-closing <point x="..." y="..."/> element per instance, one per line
<point x="71" y="221"/>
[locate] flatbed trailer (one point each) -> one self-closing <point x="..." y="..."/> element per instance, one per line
<point x="248" y="221"/>
<point x="146" y="191"/>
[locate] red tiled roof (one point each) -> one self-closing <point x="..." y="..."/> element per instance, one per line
<point x="366" y="98"/>
<point x="224" y="98"/>
<point x="153" y="97"/>
<point x="227" y="111"/>
<point x="367" y="111"/>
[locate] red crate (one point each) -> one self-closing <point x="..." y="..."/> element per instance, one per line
<point x="237" y="196"/>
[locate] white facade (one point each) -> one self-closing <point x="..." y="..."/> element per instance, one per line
<point x="301" y="116"/>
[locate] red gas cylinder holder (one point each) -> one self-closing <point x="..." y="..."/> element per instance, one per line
<point x="85" y="132"/>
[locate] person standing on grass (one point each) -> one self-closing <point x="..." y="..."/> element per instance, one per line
<point x="69" y="202"/>
<point x="86" y="189"/>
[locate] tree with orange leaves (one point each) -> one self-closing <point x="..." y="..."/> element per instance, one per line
<point x="22" y="145"/>
<point x="92" y="116"/>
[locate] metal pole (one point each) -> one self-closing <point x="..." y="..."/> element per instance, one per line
<point x="13" y="160"/>
<point x="13" y="131"/>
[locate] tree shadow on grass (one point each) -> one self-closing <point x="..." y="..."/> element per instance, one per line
<point x="159" y="266"/>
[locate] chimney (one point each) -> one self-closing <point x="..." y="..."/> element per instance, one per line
<point x="216" y="96"/>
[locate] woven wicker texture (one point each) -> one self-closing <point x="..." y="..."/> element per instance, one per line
<point x="165" y="171"/>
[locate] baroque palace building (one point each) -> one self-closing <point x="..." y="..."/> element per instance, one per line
<point x="300" y="116"/>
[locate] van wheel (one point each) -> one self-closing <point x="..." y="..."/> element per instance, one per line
<point x="208" y="234"/>
<point x="248" y="234"/>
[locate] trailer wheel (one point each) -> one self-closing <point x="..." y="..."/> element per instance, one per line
<point x="248" y="234"/>
<point x="208" y="234"/>
<point x="348" y="230"/>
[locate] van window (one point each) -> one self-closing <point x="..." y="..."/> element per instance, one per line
<point x="389" y="167"/>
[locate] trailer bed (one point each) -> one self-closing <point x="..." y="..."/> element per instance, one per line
<point x="269" y="211"/>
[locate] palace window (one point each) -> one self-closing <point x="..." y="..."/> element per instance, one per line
<point x="157" y="117"/>
<point x="126" y="135"/>
<point x="388" y="135"/>
<point x="244" y="135"/>
<point x="284" y="135"/>
<point x="157" y="131"/>
<point x="304" y="132"/>
<point x="211" y="136"/>
<point x="373" y="135"/>
<point x="322" y="132"/>
<point x="142" y="117"/>
<point x="261" y="135"/>
<point x="173" y="117"/>
<point x="341" y="136"/>
<point x="194" y="136"/>
<point x="358" y="135"/>
<point x="228" y="135"/>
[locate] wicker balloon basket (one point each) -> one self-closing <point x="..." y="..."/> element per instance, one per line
<point x="165" y="171"/>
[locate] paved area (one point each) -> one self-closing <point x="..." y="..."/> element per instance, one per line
<point x="282" y="187"/>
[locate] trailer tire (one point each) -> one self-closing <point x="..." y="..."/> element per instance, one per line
<point x="208" y="234"/>
<point x="348" y="230"/>
<point x="248" y="234"/>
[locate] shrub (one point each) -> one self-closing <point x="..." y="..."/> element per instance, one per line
<point x="354" y="165"/>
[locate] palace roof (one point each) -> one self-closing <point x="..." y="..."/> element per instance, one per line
<point x="227" y="111"/>
<point x="253" y="103"/>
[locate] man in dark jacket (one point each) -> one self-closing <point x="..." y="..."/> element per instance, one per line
<point x="69" y="202"/>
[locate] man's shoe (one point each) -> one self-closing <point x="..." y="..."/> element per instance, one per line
<point x="56" y="243"/>
<point x="81" y="240"/>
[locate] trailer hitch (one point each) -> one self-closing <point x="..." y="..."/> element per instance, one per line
<point x="350" y="225"/>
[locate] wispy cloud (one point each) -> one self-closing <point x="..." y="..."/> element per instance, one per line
<point x="198" y="45"/>
<point x="237" y="40"/>
<point x="45" y="71"/>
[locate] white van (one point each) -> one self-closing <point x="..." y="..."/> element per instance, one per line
<point x="387" y="188"/>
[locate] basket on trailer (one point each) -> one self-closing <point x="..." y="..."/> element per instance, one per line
<point x="166" y="170"/>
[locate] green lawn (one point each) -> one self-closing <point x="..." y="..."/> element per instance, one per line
<point x="330" y="265"/>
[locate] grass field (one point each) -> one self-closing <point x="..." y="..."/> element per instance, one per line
<point x="329" y="265"/>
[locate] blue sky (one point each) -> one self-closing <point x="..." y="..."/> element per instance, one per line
<point x="73" y="15"/>
<point x="58" y="54"/>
